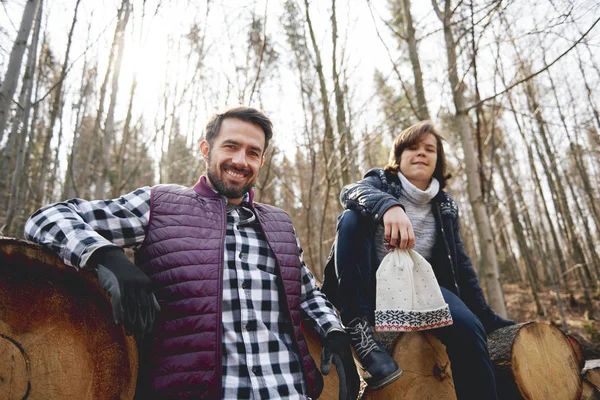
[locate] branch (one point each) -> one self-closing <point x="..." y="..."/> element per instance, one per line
<point x="262" y="52"/>
<point x="66" y="71"/>
<point x="395" y="67"/>
<point x="534" y="74"/>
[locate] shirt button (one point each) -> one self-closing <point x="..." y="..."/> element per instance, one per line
<point x="254" y="370"/>
<point x="376" y="216"/>
<point x="250" y="326"/>
<point x="245" y="285"/>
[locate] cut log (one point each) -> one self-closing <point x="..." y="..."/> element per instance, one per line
<point x="57" y="336"/>
<point x="426" y="368"/>
<point x="578" y="350"/>
<point x="591" y="373"/>
<point x="534" y="361"/>
<point x="589" y="392"/>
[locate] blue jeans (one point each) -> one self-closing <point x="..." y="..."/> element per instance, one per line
<point x="465" y="340"/>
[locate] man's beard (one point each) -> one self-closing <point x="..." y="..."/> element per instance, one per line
<point x="220" y="186"/>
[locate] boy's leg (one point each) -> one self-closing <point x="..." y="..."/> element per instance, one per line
<point x="466" y="345"/>
<point x="356" y="296"/>
<point x="353" y="265"/>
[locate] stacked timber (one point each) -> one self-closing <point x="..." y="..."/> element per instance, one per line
<point x="532" y="361"/>
<point x="58" y="341"/>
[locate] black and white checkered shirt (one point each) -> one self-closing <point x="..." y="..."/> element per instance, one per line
<point x="259" y="360"/>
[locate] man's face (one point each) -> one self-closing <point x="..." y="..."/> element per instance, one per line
<point x="234" y="158"/>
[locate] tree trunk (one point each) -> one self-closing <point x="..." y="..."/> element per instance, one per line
<point x="521" y="240"/>
<point x="489" y="261"/>
<point x="343" y="132"/>
<point x="25" y="101"/>
<point x="589" y="192"/>
<point x="328" y="139"/>
<point x="11" y="77"/>
<point x="109" y="124"/>
<point x="124" y="143"/>
<point x="98" y="142"/>
<point x="54" y="112"/>
<point x="70" y="188"/>
<point x="411" y="40"/>
<point x="554" y="177"/>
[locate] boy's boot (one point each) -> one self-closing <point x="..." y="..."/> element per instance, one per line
<point x="373" y="357"/>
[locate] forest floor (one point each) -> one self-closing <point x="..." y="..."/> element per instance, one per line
<point x="521" y="308"/>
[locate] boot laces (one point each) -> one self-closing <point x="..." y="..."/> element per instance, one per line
<point x="363" y="341"/>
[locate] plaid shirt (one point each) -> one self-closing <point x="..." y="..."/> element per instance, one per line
<point x="258" y="361"/>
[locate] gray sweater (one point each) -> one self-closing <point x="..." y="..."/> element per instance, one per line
<point x="417" y="204"/>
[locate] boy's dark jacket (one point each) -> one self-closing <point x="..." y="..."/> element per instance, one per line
<point x="380" y="190"/>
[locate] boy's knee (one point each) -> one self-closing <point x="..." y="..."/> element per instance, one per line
<point x="350" y="220"/>
<point x="467" y="328"/>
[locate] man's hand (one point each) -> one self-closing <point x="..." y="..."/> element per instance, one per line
<point x="133" y="304"/>
<point x="337" y="349"/>
<point x="398" y="229"/>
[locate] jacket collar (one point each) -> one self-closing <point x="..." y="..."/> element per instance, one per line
<point x="205" y="190"/>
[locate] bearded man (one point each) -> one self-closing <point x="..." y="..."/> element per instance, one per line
<point x="222" y="275"/>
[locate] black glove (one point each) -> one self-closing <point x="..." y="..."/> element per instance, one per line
<point x="337" y="349"/>
<point x="133" y="304"/>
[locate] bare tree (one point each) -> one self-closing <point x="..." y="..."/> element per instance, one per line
<point x="109" y="124"/>
<point x="11" y="78"/>
<point x="410" y="36"/>
<point x="21" y="138"/>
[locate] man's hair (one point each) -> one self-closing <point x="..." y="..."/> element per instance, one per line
<point x="243" y="113"/>
<point x="412" y="136"/>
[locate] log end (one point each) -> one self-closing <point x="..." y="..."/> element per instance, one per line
<point x="544" y="364"/>
<point x="57" y="338"/>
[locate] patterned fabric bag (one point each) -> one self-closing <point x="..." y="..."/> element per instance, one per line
<point x="408" y="295"/>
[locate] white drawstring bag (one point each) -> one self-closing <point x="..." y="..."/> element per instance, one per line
<point x="408" y="295"/>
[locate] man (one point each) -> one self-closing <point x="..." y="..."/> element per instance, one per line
<point x="227" y="273"/>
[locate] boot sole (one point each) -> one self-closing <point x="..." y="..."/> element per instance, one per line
<point x="385" y="381"/>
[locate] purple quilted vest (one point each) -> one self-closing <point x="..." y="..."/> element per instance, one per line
<point x="183" y="255"/>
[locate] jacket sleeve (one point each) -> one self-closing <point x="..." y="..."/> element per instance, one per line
<point x="470" y="289"/>
<point x="368" y="196"/>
